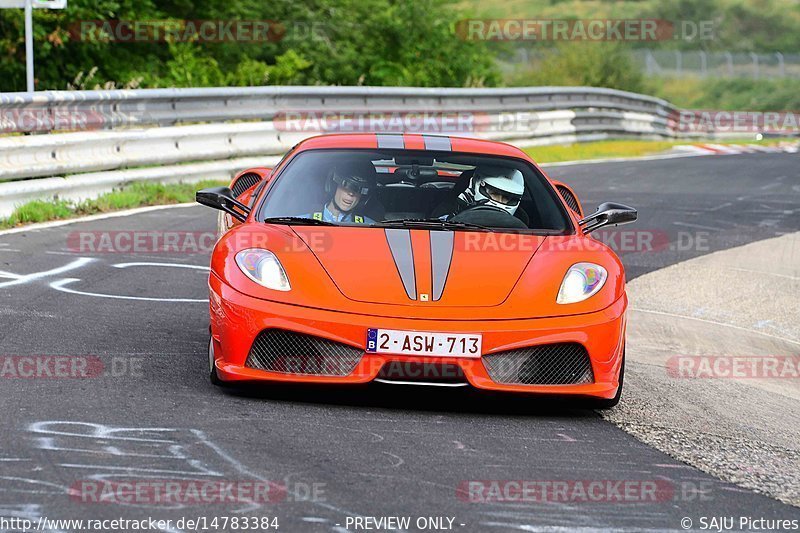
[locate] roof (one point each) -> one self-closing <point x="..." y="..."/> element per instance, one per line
<point x="412" y="141"/>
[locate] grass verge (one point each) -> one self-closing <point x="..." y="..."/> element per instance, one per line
<point x="128" y="197"/>
<point x="619" y="148"/>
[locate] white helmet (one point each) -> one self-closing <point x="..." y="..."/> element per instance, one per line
<point x="498" y="187"/>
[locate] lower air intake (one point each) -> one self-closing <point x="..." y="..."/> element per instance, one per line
<point x="422" y="372"/>
<point x="548" y="364"/>
<point x="277" y="350"/>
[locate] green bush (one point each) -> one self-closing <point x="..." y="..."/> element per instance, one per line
<point x="589" y="64"/>
<point x="325" y="42"/>
<point x="730" y="94"/>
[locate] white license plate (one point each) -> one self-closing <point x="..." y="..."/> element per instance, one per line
<point x="392" y="341"/>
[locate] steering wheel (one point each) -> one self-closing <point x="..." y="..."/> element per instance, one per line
<point x="490" y="216"/>
<point x="475" y="208"/>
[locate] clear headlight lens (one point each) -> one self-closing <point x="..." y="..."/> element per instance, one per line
<point x="582" y="281"/>
<point x="263" y="267"/>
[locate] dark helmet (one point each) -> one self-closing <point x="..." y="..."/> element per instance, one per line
<point x="358" y="177"/>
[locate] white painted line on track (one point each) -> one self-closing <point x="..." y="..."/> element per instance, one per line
<point x="698" y="226"/>
<point x="60" y="285"/>
<point x="721" y="206"/>
<point x="761" y="272"/>
<point x="714" y="322"/>
<point x="173" y="265"/>
<point x="21" y="280"/>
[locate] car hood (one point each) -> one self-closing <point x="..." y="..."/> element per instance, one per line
<point x="412" y="267"/>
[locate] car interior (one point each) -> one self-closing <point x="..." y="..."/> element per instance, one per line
<point x="423" y="187"/>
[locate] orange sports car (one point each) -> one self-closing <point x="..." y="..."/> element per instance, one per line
<point x="415" y="259"/>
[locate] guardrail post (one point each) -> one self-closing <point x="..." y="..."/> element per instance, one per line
<point x="756" y="67"/>
<point x="29" y="45"/>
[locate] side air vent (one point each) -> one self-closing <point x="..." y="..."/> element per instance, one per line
<point x="570" y="199"/>
<point x="244" y="182"/>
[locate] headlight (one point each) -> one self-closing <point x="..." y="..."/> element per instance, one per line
<point x="263" y="267"/>
<point x="582" y="281"/>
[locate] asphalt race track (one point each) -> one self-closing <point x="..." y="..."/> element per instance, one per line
<point x="147" y="409"/>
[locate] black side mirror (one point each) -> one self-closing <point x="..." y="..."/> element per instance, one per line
<point x="607" y="214"/>
<point x="222" y="198"/>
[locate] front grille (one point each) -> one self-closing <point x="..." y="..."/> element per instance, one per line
<point x="569" y="198"/>
<point x="548" y="364"/>
<point x="278" y="350"/>
<point x="245" y="181"/>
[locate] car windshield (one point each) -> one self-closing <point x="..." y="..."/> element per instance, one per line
<point x="423" y="189"/>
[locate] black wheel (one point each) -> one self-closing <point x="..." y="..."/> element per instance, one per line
<point x="611" y="402"/>
<point x="212" y="368"/>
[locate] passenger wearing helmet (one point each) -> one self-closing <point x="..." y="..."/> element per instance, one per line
<point x="350" y="189"/>
<point x="500" y="188"/>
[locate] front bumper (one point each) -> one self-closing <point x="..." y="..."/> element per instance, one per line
<point x="237" y="319"/>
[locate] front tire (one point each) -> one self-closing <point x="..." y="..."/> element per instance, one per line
<point x="212" y="368"/>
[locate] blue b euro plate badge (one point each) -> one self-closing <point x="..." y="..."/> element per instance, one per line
<point x="372" y="340"/>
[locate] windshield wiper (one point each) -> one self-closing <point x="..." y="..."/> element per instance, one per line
<point x="434" y="223"/>
<point x="298" y="220"/>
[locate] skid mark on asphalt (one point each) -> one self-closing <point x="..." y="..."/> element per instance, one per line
<point x="25" y="511"/>
<point x="397" y="460"/>
<point x="104" y="453"/>
<point x="188" y="455"/>
<point x="463" y="447"/>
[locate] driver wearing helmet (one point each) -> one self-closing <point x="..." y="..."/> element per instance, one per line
<point x="497" y="187"/>
<point x="350" y="189"/>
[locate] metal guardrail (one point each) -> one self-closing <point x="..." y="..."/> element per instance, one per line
<point x="177" y="134"/>
<point x="163" y="107"/>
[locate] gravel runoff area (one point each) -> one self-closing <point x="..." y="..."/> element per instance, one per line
<point x="737" y="302"/>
